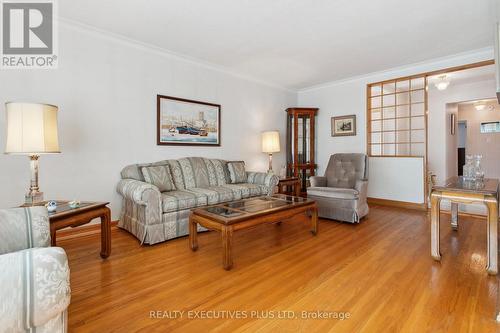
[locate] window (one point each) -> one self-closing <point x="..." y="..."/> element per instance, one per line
<point x="397" y="118"/>
<point x="490" y="127"/>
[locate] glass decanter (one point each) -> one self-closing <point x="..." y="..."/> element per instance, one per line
<point x="469" y="172"/>
<point x="478" y="168"/>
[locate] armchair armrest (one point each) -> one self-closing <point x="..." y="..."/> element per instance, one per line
<point x="263" y="178"/>
<point x="24" y="228"/>
<point x="362" y="187"/>
<point x="317" y="181"/>
<point x="35" y="288"/>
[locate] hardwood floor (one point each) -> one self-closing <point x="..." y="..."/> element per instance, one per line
<point x="379" y="271"/>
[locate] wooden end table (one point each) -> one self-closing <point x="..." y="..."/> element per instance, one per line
<point x="243" y="214"/>
<point x="65" y="216"/>
<point x="286" y="182"/>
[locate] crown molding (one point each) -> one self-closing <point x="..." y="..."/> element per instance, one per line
<point x="415" y="68"/>
<point x="130" y="42"/>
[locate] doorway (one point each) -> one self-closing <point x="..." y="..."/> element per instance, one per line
<point x="477" y="133"/>
<point x="462" y="143"/>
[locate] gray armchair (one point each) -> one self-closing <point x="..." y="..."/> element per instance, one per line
<point x="34" y="278"/>
<point x="341" y="193"/>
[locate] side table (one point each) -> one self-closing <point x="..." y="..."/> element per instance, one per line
<point x="65" y="216"/>
<point x="286" y="183"/>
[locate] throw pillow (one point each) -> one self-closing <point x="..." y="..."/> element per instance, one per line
<point x="159" y="176"/>
<point x="237" y="172"/>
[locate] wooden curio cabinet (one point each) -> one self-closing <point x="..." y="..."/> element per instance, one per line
<point x="300" y="144"/>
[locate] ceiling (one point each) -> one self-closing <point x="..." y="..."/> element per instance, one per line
<point x="297" y="44"/>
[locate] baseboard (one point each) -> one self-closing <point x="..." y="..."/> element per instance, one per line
<point x="395" y="203"/>
<point x="416" y="206"/>
<point x="84" y="230"/>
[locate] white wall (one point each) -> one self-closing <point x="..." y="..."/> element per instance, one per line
<point x="349" y="97"/>
<point x="106" y="92"/>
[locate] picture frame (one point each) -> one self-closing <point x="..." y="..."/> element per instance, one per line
<point x="185" y="122"/>
<point x="343" y="125"/>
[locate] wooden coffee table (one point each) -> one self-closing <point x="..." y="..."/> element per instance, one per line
<point x="243" y="214"/>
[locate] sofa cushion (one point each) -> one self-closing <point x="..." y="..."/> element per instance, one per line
<point x="186" y="172"/>
<point x="218" y="173"/>
<point x="246" y="190"/>
<point x="178" y="200"/>
<point x="195" y="197"/>
<point x="176" y="172"/>
<point x="224" y="194"/>
<point x="215" y="194"/>
<point x="237" y="172"/>
<point x="159" y="176"/>
<point x="333" y="192"/>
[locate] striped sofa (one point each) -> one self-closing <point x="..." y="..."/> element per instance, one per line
<point x="153" y="216"/>
<point x="34" y="277"/>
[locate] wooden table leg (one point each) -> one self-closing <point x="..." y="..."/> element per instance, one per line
<point x="106" y="233"/>
<point x="435" y="220"/>
<point x="492" y="266"/>
<point x="193" y="234"/>
<point x="52" y="235"/>
<point x="296" y="187"/>
<point x="454" y="215"/>
<point x="227" y="240"/>
<point x="314" y="221"/>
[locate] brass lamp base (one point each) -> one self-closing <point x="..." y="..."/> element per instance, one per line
<point x="33" y="195"/>
<point x="33" y="198"/>
<point x="270" y="170"/>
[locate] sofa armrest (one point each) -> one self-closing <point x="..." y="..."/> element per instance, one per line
<point x="317" y="181"/>
<point x="263" y="178"/>
<point x="362" y="187"/>
<point x="24" y="228"/>
<point x="35" y="287"/>
<point x="141" y="193"/>
<point x="141" y="201"/>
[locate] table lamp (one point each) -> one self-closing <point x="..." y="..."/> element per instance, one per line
<point x="270" y="145"/>
<point x="32" y="131"/>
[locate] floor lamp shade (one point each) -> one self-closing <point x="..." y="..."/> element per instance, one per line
<point x="31" y="128"/>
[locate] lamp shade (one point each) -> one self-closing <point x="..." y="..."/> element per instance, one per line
<point x="31" y="128"/>
<point x="270" y="142"/>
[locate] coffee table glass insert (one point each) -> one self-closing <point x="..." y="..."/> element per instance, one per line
<point x="253" y="205"/>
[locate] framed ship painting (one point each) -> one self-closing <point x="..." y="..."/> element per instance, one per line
<point x="186" y="122"/>
<point x="344" y="125"/>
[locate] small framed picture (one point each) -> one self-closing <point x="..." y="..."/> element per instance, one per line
<point x="344" y="125"/>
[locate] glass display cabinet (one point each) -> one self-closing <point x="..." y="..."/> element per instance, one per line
<point x="300" y="144"/>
